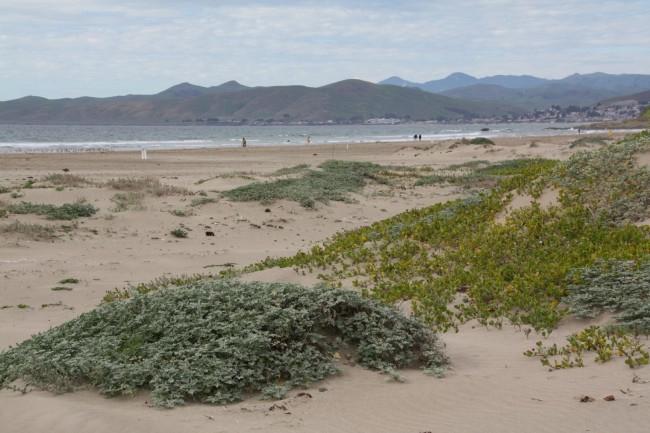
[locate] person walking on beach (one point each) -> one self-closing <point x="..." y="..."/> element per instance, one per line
<point x="243" y="142"/>
<point x="419" y="137"/>
<point x="415" y="136"/>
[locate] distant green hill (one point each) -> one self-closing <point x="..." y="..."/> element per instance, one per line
<point x="349" y="101"/>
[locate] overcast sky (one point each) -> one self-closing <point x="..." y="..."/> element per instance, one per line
<point x="68" y="48"/>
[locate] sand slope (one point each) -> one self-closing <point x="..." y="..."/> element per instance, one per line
<point x="491" y="387"/>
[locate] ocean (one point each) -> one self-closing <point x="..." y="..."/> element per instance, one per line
<point x="68" y="138"/>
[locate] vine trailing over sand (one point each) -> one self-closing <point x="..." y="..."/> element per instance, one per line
<point x="457" y="262"/>
<point x="216" y="341"/>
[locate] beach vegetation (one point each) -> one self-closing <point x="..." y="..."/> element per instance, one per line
<point x="219" y="341"/>
<point x="67" y="180"/>
<point x="200" y="201"/>
<point x="332" y="182"/>
<point x="69" y="281"/>
<point x="36" y="232"/>
<point x="605" y="343"/>
<point x="149" y="185"/>
<point x="456" y="262"/>
<point x="481" y="140"/>
<point x="287" y="171"/>
<point x="179" y="233"/>
<point x="589" y="140"/>
<point x="67" y="211"/>
<point x="131" y="200"/>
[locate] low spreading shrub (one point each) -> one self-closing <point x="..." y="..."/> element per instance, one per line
<point x="218" y="341"/>
<point x="333" y="182"/>
<point x="179" y="233"/>
<point x="67" y="211"/>
<point x="620" y="287"/>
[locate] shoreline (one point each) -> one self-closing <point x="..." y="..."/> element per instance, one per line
<point x="79" y="147"/>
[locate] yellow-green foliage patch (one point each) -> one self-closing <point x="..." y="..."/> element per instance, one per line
<point x="455" y="263"/>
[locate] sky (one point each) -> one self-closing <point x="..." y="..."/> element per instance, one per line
<point x="70" y="48"/>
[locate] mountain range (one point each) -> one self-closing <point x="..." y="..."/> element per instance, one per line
<point x="349" y="101"/>
<point x="458" y="97"/>
<point x="527" y="92"/>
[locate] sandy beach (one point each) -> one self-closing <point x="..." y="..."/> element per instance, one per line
<point x="490" y="388"/>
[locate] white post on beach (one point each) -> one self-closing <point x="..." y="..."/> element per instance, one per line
<point x="143" y="154"/>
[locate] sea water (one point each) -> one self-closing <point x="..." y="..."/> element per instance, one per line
<point x="66" y="138"/>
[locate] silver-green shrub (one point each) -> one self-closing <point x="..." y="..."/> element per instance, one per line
<point x="217" y="341"/>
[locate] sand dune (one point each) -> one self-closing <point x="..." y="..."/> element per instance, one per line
<point x="490" y="388"/>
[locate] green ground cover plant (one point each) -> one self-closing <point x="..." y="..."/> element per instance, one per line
<point x="219" y="341"/>
<point x="333" y="182"/>
<point x="179" y="233"/>
<point x="606" y="344"/>
<point x="457" y="263"/>
<point x="67" y="211"/>
<point x="286" y="171"/>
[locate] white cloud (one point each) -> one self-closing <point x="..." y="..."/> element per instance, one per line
<point x="102" y="47"/>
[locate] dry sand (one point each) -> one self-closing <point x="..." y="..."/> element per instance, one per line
<point x="491" y="387"/>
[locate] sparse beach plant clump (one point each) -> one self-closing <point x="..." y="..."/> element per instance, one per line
<point x="589" y="140"/>
<point x="131" y="200"/>
<point x="179" y="233"/>
<point x="455" y="262"/>
<point x="67" y="211"/>
<point x="200" y="201"/>
<point x="606" y="344"/>
<point x="481" y="140"/>
<point x="67" y="180"/>
<point x="219" y="341"/>
<point x="36" y="232"/>
<point x="149" y="185"/>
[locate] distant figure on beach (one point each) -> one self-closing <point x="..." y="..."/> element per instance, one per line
<point x="415" y="136"/>
<point x="243" y="142"/>
<point x="419" y="137"/>
<point x="309" y="139"/>
<point x="579" y="131"/>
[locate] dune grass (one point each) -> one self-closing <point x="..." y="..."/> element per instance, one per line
<point x="37" y="232"/>
<point x="149" y="185"/>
